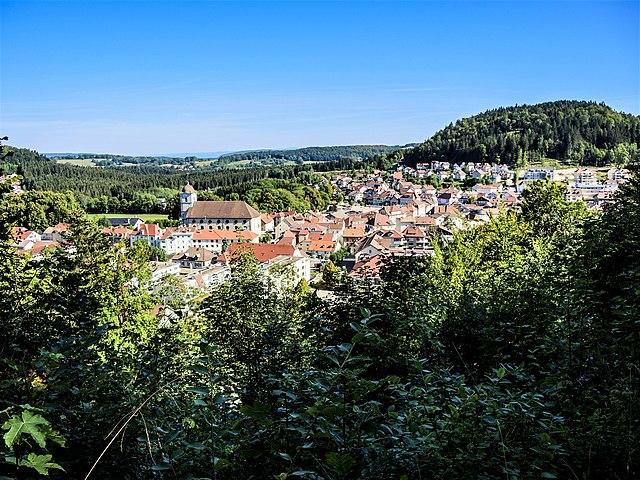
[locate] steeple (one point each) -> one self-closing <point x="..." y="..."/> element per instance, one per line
<point x="188" y="198"/>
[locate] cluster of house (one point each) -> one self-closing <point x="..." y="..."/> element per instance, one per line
<point x="460" y="172"/>
<point x="384" y="215"/>
<point x="594" y="186"/>
<point x="35" y="243"/>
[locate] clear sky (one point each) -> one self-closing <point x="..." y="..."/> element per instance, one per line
<point x="163" y="77"/>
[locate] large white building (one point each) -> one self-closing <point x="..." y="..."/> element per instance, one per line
<point x="217" y="215"/>
<point x="539" y="174"/>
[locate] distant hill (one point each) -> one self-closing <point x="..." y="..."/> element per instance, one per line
<point x="313" y="154"/>
<point x="238" y="159"/>
<point x="580" y="132"/>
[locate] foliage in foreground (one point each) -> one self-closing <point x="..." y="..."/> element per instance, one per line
<point x="512" y="353"/>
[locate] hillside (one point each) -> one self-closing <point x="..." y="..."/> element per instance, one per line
<point x="242" y="159"/>
<point x="153" y="189"/>
<point x="313" y="154"/>
<point x="579" y="132"/>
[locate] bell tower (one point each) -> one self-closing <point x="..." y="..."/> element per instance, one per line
<point x="188" y="197"/>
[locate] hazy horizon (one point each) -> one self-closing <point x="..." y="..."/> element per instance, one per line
<point x="155" y="78"/>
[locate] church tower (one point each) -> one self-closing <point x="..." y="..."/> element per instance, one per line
<point x="188" y="197"/>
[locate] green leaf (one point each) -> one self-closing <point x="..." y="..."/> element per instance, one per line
<point x="29" y="424"/>
<point x="341" y="463"/>
<point x="196" y="446"/>
<point x="41" y="463"/>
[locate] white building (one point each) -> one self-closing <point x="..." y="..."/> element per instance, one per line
<point x="584" y="178"/>
<point x="162" y="269"/>
<point x="539" y="174"/>
<point x="217" y="215"/>
<point x="175" y="240"/>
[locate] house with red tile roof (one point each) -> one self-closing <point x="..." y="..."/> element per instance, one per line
<point x="24" y="238"/>
<point x="263" y="252"/>
<point x="148" y="232"/>
<point x="57" y="233"/>
<point x="368" y="268"/>
<point x="194" y="258"/>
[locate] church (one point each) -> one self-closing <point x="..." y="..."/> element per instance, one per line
<point x="217" y="215"/>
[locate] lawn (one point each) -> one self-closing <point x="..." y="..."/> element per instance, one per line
<point x="147" y="217"/>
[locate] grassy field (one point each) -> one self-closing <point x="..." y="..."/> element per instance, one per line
<point x="82" y="162"/>
<point x="147" y="217"/>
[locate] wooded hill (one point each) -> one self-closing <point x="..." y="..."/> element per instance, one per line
<point x="314" y="154"/>
<point x="254" y="158"/>
<point x="152" y="189"/>
<point x="578" y="132"/>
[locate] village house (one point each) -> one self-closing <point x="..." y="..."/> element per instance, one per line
<point x="118" y="234"/>
<point x="162" y="269"/>
<point x="617" y="174"/>
<point x="130" y="222"/>
<point x="584" y="178"/>
<point x="490" y="190"/>
<point x="175" y="240"/>
<point x="148" y="232"/>
<point x="24" y="238"/>
<point x="263" y="252"/>
<point x="202" y="279"/>
<point x="56" y="233"/>
<point x="194" y="258"/>
<point x="218" y="240"/>
<point x="539" y="174"/>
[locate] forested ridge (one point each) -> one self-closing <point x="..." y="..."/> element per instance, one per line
<point x="579" y="132"/>
<point x="152" y="189"/>
<point x="513" y="352"/>
<point x="314" y="154"/>
<point x="296" y="155"/>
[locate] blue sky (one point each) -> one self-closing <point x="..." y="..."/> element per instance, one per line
<point x="160" y="77"/>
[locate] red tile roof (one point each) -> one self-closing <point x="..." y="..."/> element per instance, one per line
<point x="263" y="252"/>
<point x="149" y="230"/>
<point x="367" y="268"/>
<point x="354" y="232"/>
<point x="321" y="246"/>
<point x="43" y="245"/>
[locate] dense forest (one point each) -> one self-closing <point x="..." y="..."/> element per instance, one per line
<point x="577" y="132"/>
<point x="150" y="189"/>
<point x="513" y="352"/>
<point x="110" y="160"/>
<point x="314" y="154"/>
<point x="255" y="157"/>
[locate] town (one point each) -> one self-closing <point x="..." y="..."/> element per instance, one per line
<point x="380" y="215"/>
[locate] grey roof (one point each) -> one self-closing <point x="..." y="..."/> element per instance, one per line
<point x="222" y="209"/>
